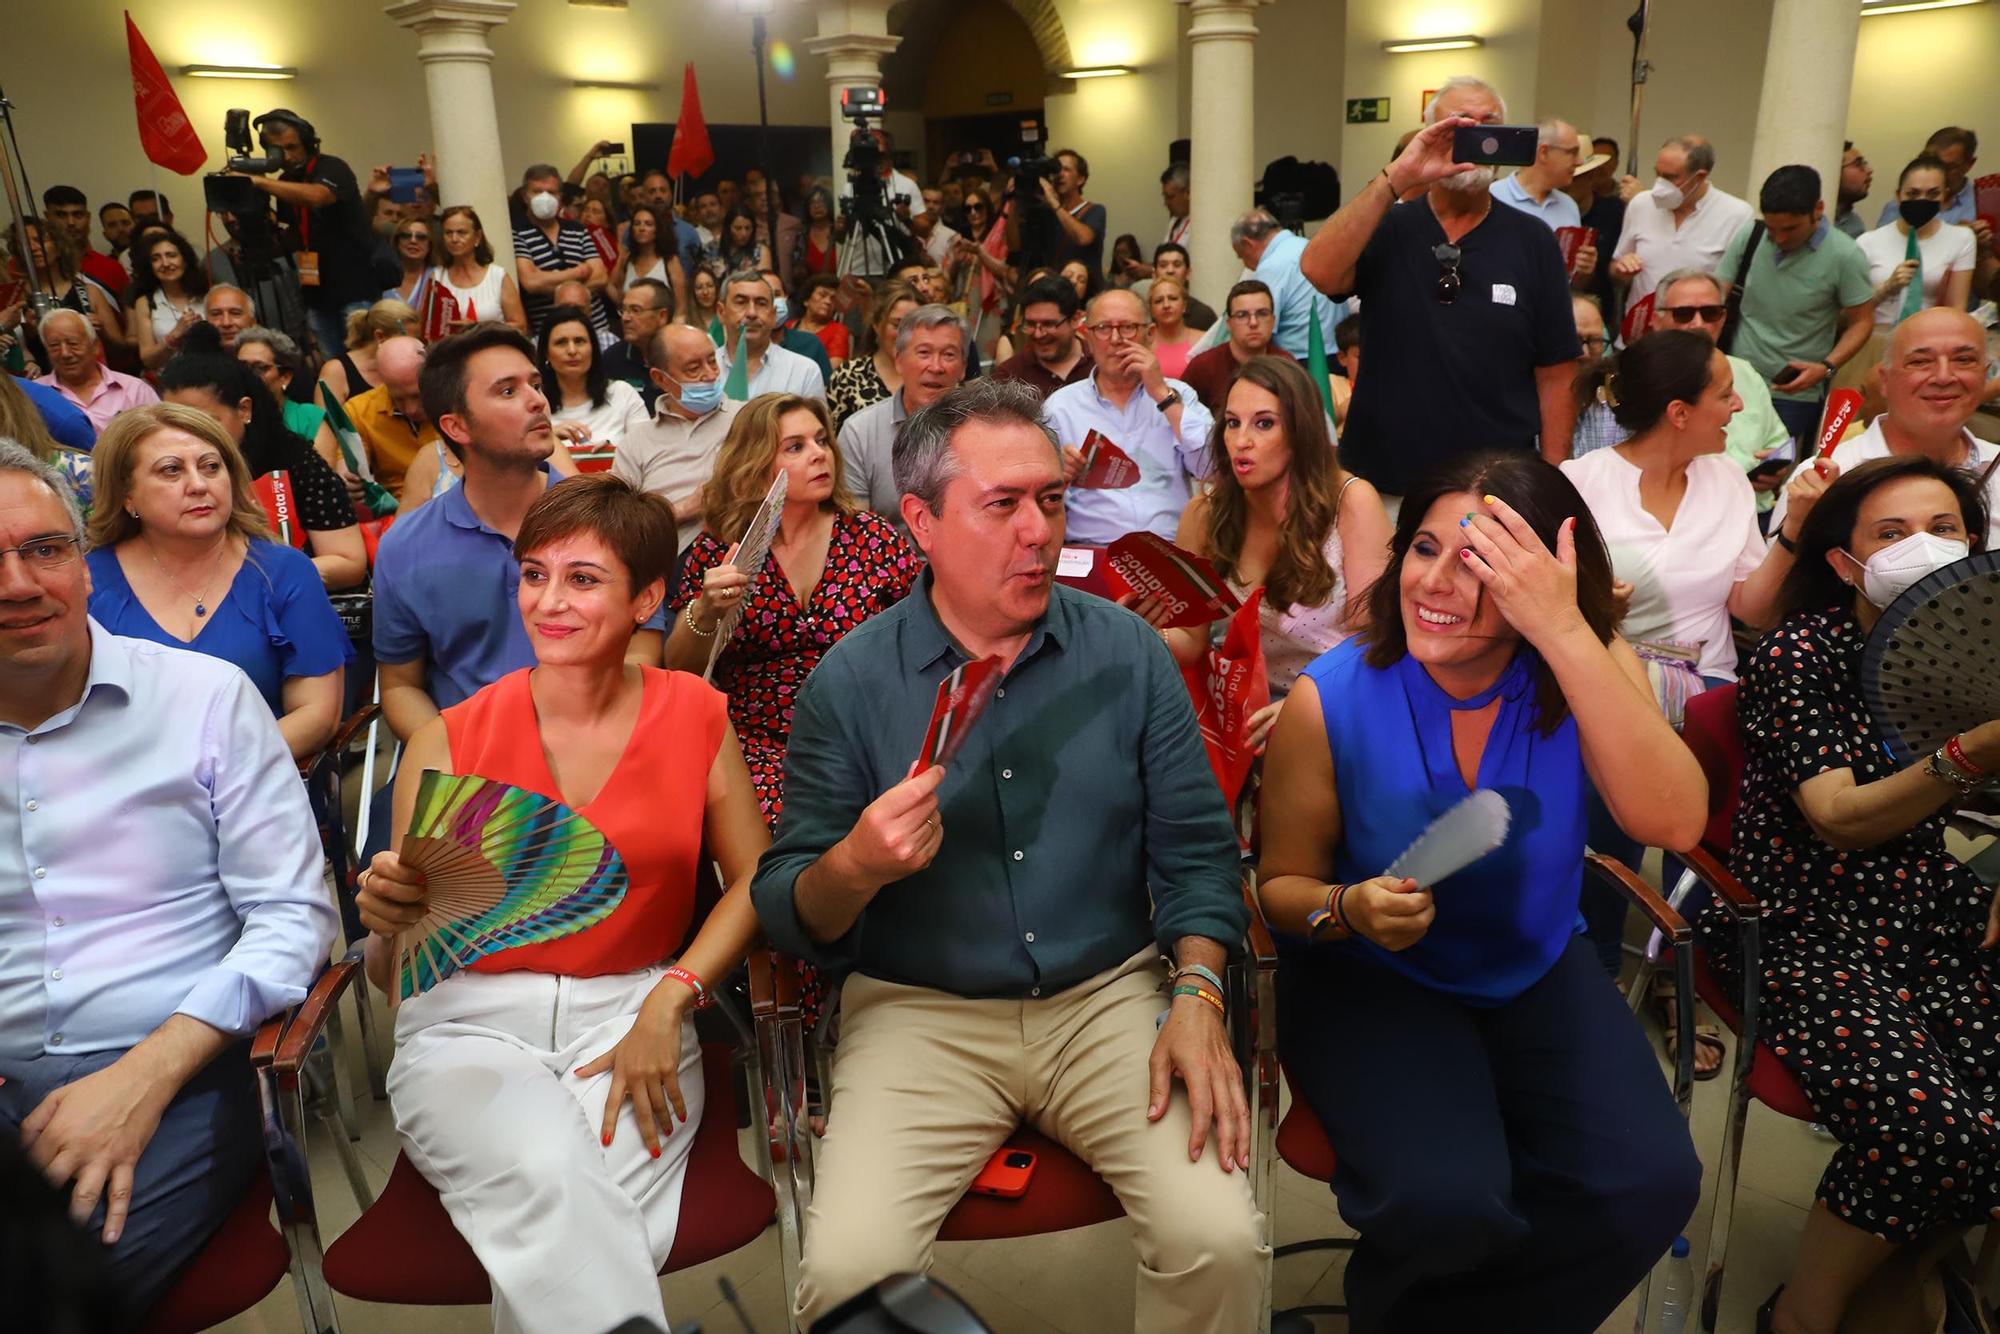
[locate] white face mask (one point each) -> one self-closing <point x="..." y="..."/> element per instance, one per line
<point x="1887" y="574"/>
<point x="1668" y="195"/>
<point x="543" y="205"/>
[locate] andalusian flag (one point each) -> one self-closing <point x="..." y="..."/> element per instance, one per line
<point x="1316" y="360"/>
<point x="737" y="386"/>
<point x="379" y="500"/>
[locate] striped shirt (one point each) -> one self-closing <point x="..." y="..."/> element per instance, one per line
<point x="572" y="246"/>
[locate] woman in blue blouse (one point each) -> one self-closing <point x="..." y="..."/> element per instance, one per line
<point x="181" y="555"/>
<point x="1508" y="1149"/>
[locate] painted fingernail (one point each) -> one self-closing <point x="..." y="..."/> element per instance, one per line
<point x="1465" y="553"/>
<point x="656" y="1150"/>
<point x="1491" y="500"/>
<point x="607" y="1139"/>
<point x="1466" y="520"/>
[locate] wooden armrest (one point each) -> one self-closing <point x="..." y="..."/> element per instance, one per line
<point x="774" y="983"/>
<point x="352" y="726"/>
<point x="1725" y="886"/>
<point x="311" y="1015"/>
<point x="1642" y="896"/>
<point x="264" y="1044"/>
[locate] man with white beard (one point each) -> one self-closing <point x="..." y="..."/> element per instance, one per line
<point x="1465" y="309"/>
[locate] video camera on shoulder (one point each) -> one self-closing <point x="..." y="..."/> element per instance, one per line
<point x="228" y="193"/>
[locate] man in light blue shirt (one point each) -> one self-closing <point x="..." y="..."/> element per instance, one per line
<point x="1270" y="254"/>
<point x="1539" y="188"/>
<point x="163" y="898"/>
<point x="749" y="326"/>
<point x="1158" y="421"/>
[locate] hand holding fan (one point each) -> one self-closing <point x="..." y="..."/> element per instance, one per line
<point x="503" y="867"/>
<point x="961" y="698"/>
<point x="1456" y="839"/>
<point x="749" y="558"/>
<point x="1927" y="670"/>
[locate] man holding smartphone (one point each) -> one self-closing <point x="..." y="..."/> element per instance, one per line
<point x="1808" y="304"/>
<point x="1465" y="307"/>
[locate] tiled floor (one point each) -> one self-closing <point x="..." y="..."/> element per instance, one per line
<point x="1081" y="1282"/>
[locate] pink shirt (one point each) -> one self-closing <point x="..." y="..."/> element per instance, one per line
<point x="115" y="392"/>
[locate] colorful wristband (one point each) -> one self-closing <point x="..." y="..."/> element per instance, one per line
<point x="1336" y="899"/>
<point x="1205" y="974"/>
<point x="1192" y="990"/>
<point x="702" y="1000"/>
<point x="1956" y="754"/>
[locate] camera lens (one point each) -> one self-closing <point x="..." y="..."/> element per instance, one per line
<point x="1489" y="145"/>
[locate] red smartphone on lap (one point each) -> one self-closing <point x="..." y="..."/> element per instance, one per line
<point x="1006" y="1173"/>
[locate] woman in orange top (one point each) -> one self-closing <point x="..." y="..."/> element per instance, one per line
<point x="512" y="1077"/>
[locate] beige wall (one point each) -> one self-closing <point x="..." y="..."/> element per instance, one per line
<point x="1918" y="72"/>
<point x="987" y="49"/>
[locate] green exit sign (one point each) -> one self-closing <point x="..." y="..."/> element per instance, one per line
<point x="1367" y="111"/>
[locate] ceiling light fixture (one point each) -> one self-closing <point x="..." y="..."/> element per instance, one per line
<point x="1869" y="9"/>
<point x="1403" y="46"/>
<point x="1097" y="72"/>
<point x="240" y="71"/>
<point x="615" y="85"/>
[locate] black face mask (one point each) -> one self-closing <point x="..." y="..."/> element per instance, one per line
<point x="1917" y="212"/>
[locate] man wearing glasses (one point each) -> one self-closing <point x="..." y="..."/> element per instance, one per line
<point x="1252" y="317"/>
<point x="643" y="310"/>
<point x="1051" y="354"/>
<point x="164" y="899"/>
<point x="1465" y="309"/>
<point x="1127" y="399"/>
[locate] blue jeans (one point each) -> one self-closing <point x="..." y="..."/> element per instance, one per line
<point x="191" y="1176"/>
<point x="1510" y="1169"/>
<point x="330" y="327"/>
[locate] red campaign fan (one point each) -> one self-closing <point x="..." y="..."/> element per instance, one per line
<point x="1082" y="568"/>
<point x="1986" y="200"/>
<point x="440" y="313"/>
<point x="1637" y="320"/>
<point x="1188" y="586"/>
<point x="961" y="698"/>
<point x="1105" y="466"/>
<point x="274" y="493"/>
<point x="1573" y="240"/>
<point x="594" y="455"/>
<point x="1841" y="407"/>
<point x="1228" y="685"/>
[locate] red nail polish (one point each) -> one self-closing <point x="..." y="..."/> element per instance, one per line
<point x="656" y="1151"/>
<point x="607" y="1139"/>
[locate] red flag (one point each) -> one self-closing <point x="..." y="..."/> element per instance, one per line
<point x="691" y="154"/>
<point x="165" y="133"/>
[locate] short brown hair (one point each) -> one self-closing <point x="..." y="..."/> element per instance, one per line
<point x="638" y="526"/>
<point x="117" y="450"/>
<point x="749" y="452"/>
<point x="482" y="249"/>
<point x="441" y="383"/>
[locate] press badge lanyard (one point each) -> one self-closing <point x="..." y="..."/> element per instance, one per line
<point x="307" y="257"/>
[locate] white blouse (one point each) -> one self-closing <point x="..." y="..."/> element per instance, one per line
<point x="623" y="410"/>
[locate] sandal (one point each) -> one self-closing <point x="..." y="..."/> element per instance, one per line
<point x="1707" y="1037"/>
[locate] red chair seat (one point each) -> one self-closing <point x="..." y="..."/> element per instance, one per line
<point x="1064" y="1193"/>
<point x="1769" y="1082"/>
<point x="406" y="1251"/>
<point x="239" y="1266"/>
<point x="1302" y="1142"/>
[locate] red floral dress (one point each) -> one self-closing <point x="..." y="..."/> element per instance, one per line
<point x="869" y="567"/>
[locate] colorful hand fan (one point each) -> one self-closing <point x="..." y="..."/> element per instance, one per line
<point x="1456" y="839"/>
<point x="504" y="867"/>
<point x="750" y="553"/>
<point x="1927" y="669"/>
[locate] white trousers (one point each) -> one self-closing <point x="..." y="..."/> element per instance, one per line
<point x="489" y="1109"/>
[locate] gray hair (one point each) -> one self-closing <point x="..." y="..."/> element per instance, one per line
<point x="1550" y="130"/>
<point x="16" y="457"/>
<point x="1177" y="175"/>
<point x="541" y="171"/>
<point x="1457" y="81"/>
<point x="923" y="458"/>
<point x="89" y="329"/>
<point x="933" y="316"/>
<point x="248" y="300"/>
<point x="1700" y="152"/>
<point x="283" y="348"/>
<point x="743" y="276"/>
<point x="1257" y="222"/>
<point x="1688" y="275"/>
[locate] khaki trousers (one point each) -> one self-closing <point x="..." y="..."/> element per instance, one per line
<point x="927" y="1084"/>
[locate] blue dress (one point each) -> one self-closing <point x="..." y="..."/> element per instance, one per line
<point x="1501" y="922"/>
<point x="274" y="622"/>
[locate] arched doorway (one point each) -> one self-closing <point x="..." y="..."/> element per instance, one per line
<point x="976" y="70"/>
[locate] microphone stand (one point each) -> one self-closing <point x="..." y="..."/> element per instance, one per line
<point x="11" y="161"/>
<point x="1642" y="69"/>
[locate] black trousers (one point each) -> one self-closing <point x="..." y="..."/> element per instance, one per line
<point x="1518" y="1168"/>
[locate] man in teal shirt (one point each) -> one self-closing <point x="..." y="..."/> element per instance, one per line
<point x="1004" y="917"/>
<point x="1808" y="305"/>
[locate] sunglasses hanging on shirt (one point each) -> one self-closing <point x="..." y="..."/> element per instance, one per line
<point x="1449" y="282"/>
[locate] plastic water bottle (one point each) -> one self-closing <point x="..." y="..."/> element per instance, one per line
<point x="1679" y="1297"/>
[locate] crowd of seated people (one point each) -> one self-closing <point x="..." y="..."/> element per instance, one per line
<point x="1493" y="563"/>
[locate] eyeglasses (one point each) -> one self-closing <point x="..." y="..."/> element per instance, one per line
<point x="1117" y="331"/>
<point x="262" y="368"/>
<point x="1449" y="283"/>
<point x="1596" y="341"/>
<point x="1689" y="314"/>
<point x="45" y="553"/>
<point x="1042" y="326"/>
<point x="1251" y="316"/>
<point x="423" y="236"/>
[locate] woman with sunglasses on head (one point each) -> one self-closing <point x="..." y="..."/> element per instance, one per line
<point x="981" y="274"/>
<point x="1281" y="514"/>
<point x="1875" y="979"/>
<point x="1506" y="1147"/>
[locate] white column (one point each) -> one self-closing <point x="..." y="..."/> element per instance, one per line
<point x="453" y="44"/>
<point x="853" y="36"/>
<point x="1222" y="172"/>
<point x="1808" y="74"/>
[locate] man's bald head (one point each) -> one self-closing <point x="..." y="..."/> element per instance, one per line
<point x="401" y="360"/>
<point x="1115" y="304"/>
<point x="573" y="294"/>
<point x="1933" y="375"/>
<point x="674" y="344"/>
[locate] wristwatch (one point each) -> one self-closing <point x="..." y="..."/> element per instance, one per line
<point x="1831" y="369"/>
<point x="1163" y="404"/>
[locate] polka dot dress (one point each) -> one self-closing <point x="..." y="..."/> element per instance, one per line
<point x="1875" y="991"/>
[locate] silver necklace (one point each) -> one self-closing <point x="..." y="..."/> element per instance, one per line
<point x="200" y="600"/>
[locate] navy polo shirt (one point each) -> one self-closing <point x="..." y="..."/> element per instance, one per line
<point x="1443" y="380"/>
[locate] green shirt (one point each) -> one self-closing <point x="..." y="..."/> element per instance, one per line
<point x="1084" y="786"/>
<point x="1792" y="303"/>
<point x="302" y="419"/>
<point x="1755" y="431"/>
